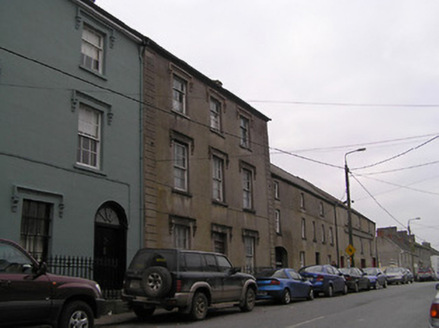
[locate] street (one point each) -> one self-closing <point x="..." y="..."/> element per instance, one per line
<point x="397" y="306"/>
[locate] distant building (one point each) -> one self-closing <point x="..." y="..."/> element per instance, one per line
<point x="400" y="249"/>
<point x="311" y="226"/>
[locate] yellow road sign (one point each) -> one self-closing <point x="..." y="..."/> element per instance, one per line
<point x="350" y="250"/>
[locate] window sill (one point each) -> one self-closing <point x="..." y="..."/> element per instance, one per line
<point x="95" y="73"/>
<point x="89" y="169"/>
<point x="180" y="114"/>
<point x="181" y="192"/>
<point x="217" y="132"/>
<point x="245" y="147"/>
<point x="249" y="210"/>
<point x="219" y="203"/>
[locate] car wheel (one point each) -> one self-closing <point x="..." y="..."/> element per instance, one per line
<point x="385" y="284"/>
<point x="310" y="294"/>
<point x="356" y="288"/>
<point x="330" y="291"/>
<point x="286" y="297"/>
<point x="76" y="314"/>
<point x="249" y="300"/>
<point x="144" y="313"/>
<point x="345" y="289"/>
<point x="199" y="306"/>
<point x="156" y="281"/>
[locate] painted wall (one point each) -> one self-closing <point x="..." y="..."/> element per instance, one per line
<point x="41" y="85"/>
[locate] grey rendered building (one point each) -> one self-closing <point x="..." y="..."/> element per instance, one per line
<point x="70" y="134"/>
<point x="311" y="226"/>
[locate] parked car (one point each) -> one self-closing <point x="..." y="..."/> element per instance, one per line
<point x="326" y="279"/>
<point x="434" y="310"/>
<point x="356" y="279"/>
<point x="408" y="275"/>
<point x="395" y="275"/>
<point x="426" y="274"/>
<point x="376" y="276"/>
<point x="191" y="281"/>
<point x="283" y="285"/>
<point x="29" y="295"/>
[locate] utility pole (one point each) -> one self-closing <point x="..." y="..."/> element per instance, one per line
<point x="351" y="237"/>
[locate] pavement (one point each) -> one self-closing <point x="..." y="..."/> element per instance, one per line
<point x="114" y="319"/>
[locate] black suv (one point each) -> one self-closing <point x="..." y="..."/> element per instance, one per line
<point x="188" y="280"/>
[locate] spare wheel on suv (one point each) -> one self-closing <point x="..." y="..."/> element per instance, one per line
<point x="157" y="281"/>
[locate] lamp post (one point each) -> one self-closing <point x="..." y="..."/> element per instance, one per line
<point x="408" y="225"/>
<point x="346" y="170"/>
<point x="412" y="248"/>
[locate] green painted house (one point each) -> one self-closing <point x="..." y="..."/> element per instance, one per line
<point x="70" y="131"/>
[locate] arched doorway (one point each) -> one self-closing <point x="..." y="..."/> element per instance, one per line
<point x="281" y="257"/>
<point x="110" y="246"/>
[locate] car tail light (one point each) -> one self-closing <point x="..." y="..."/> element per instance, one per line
<point x="274" y="282"/>
<point x="320" y="278"/>
<point x="434" y="310"/>
<point x="348" y="278"/>
<point x="178" y="286"/>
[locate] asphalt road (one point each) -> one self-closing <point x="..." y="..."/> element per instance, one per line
<point x="405" y="306"/>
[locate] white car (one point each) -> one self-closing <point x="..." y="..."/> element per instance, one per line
<point x="434" y="310"/>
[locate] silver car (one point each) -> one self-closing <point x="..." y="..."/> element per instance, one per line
<point x="434" y="310"/>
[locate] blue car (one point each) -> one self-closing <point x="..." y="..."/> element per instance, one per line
<point x="326" y="279"/>
<point x="283" y="285"/>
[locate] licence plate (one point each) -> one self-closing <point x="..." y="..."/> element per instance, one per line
<point x="262" y="293"/>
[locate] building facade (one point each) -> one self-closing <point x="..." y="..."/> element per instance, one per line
<point x="206" y="165"/>
<point x="311" y="226"/>
<point x="70" y="98"/>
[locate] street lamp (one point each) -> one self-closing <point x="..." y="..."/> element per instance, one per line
<point x="408" y="225"/>
<point x="346" y="170"/>
<point x="412" y="247"/>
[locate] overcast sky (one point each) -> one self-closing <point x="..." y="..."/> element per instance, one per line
<point x="333" y="76"/>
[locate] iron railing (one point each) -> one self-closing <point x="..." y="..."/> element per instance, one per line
<point x="105" y="272"/>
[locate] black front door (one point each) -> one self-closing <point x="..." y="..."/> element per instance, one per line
<point x="110" y="248"/>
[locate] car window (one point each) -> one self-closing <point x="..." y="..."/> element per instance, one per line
<point x="194" y="262"/>
<point x="330" y="270"/>
<point x="223" y="263"/>
<point x="313" y="269"/>
<point x="280" y="274"/>
<point x="294" y="275"/>
<point x="210" y="263"/>
<point x="12" y="260"/>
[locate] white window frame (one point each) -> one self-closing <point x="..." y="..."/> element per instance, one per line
<point x="249" y="244"/>
<point x="277" y="222"/>
<point x="179" y="94"/>
<point x="92" y="51"/>
<point x="218" y="178"/>
<point x="302" y="200"/>
<point x="302" y="259"/>
<point x="276" y="190"/>
<point x="180" y="165"/>
<point x="247" y="188"/>
<point x="331" y="236"/>
<point x="244" y="131"/>
<point x="215" y="114"/>
<point x="182" y="236"/>
<point x="303" y="228"/>
<point x="89" y="131"/>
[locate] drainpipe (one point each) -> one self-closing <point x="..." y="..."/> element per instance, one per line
<point x="141" y="150"/>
